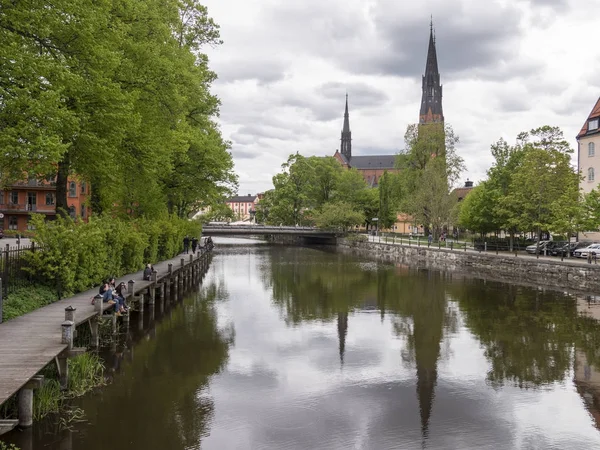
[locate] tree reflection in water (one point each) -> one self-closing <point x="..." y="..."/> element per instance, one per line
<point x="165" y="383"/>
<point x="528" y="335"/>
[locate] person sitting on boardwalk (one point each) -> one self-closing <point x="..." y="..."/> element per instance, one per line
<point x="120" y="291"/>
<point x="194" y="245"/>
<point x="107" y="297"/>
<point x="186" y="244"/>
<point x="148" y="272"/>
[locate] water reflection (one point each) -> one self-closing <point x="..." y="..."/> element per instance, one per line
<point x="289" y="348"/>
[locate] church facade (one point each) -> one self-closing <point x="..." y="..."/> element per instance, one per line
<point x="372" y="167"/>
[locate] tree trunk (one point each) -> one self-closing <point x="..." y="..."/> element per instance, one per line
<point x="62" y="176"/>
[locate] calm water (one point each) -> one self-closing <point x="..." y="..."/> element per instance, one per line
<point x="295" y="348"/>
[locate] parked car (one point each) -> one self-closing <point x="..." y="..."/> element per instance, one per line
<point x="537" y="247"/>
<point x="568" y="248"/>
<point x="593" y="249"/>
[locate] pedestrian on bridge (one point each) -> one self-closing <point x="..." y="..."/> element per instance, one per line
<point x="186" y="244"/>
<point x="194" y="245"/>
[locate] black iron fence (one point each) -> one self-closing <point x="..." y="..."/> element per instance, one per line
<point x="13" y="263"/>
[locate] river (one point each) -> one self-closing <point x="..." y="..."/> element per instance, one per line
<point x="301" y="348"/>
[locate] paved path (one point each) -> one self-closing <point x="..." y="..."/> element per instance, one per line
<point x="29" y="342"/>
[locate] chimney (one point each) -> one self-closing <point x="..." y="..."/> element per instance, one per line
<point x="468" y="184"/>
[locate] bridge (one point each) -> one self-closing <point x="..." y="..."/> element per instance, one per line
<point x="300" y="235"/>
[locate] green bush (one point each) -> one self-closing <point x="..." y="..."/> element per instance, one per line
<point x="80" y="255"/>
<point x="27" y="299"/>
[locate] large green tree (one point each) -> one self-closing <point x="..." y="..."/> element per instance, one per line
<point x="117" y="93"/>
<point x="544" y="187"/>
<point x="430" y="168"/>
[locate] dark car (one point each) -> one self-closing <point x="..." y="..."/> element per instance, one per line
<point x="567" y="248"/>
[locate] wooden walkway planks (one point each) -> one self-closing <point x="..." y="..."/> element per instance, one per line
<point x="29" y="342"/>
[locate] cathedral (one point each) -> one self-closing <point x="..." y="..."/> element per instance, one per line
<point x="372" y="167"/>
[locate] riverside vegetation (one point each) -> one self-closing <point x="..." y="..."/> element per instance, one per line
<point x="117" y="95"/>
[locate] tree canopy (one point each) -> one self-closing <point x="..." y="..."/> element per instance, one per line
<point x="117" y="93"/>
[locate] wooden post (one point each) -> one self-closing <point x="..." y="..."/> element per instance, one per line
<point x="70" y="313"/>
<point x="130" y="284"/>
<point x="170" y="270"/>
<point x="154" y="274"/>
<point x="95" y="338"/>
<point x="25" y="401"/>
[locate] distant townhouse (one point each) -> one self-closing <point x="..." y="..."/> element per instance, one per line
<point x="19" y="200"/>
<point x="588" y="141"/>
<point x="243" y="206"/>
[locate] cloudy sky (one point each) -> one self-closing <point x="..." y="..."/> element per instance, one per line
<point x="506" y="66"/>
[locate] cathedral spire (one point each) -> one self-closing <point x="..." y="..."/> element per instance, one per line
<point x="346" y="144"/>
<point x="342" y="324"/>
<point x="431" y="101"/>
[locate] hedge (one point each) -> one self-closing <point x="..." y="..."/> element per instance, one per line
<point x="78" y="255"/>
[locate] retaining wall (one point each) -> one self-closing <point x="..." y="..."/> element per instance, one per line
<point x="575" y="275"/>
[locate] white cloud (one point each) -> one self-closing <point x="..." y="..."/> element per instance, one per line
<point x="506" y="66"/>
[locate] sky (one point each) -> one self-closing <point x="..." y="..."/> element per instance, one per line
<point x="506" y="66"/>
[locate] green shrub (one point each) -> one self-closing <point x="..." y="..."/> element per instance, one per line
<point x="352" y="237"/>
<point x="27" y="299"/>
<point x="80" y="255"/>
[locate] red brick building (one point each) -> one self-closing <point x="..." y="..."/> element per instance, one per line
<point x="19" y="200"/>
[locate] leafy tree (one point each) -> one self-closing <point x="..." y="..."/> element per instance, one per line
<point x="505" y="212"/>
<point x="543" y="188"/>
<point x="339" y="215"/>
<point x="350" y="187"/>
<point x="290" y="202"/>
<point x="590" y="213"/>
<point x="477" y="210"/>
<point x="118" y="94"/>
<point x="220" y="212"/>
<point x="430" y="167"/>
<point x="327" y="175"/>
<point x="387" y="204"/>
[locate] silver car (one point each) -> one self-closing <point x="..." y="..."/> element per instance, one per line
<point x="594" y="249"/>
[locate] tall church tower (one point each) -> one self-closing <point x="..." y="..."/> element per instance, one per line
<point x="346" y="145"/>
<point x="431" y="100"/>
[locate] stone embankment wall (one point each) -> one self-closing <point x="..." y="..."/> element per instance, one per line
<point x="572" y="275"/>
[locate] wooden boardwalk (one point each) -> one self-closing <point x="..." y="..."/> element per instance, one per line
<point x="29" y="342"/>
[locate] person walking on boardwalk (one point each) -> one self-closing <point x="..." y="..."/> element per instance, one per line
<point x="186" y="244"/>
<point x="194" y="245"/>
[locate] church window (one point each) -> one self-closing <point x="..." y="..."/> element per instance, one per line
<point x="593" y="124"/>
<point x="431" y="92"/>
<point x="591" y="149"/>
<point x="591" y="174"/>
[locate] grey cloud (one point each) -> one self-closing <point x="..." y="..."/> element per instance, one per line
<point x="464" y="41"/>
<point x="243" y="154"/>
<point x="360" y="94"/>
<point x="262" y="70"/>
<point x="513" y="104"/>
<point x="265" y="131"/>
